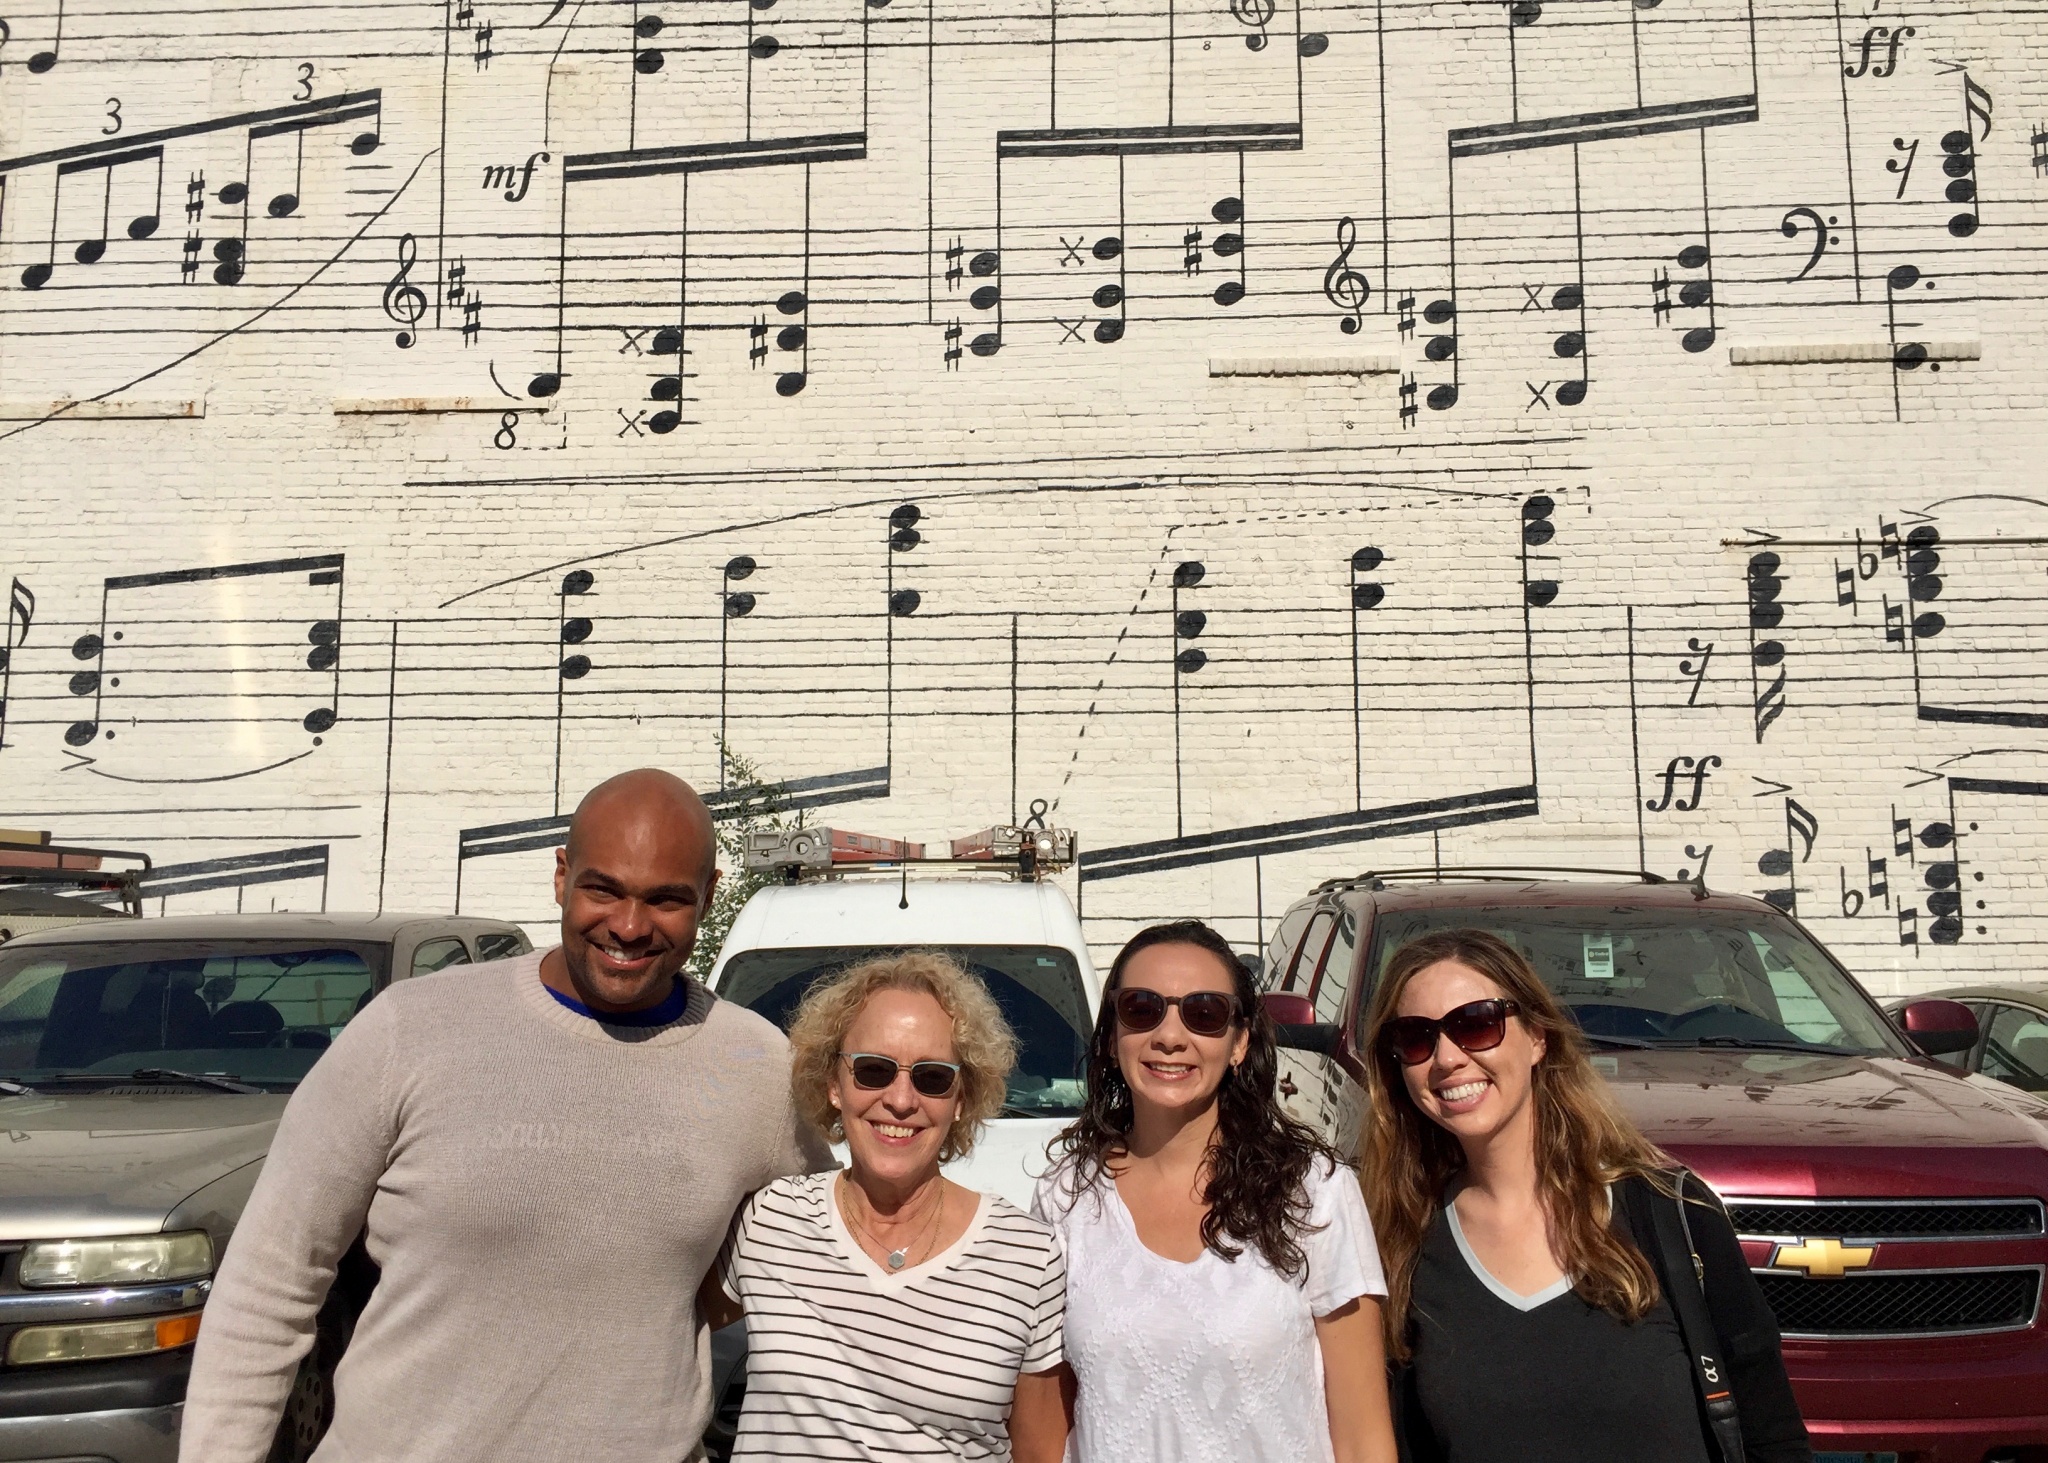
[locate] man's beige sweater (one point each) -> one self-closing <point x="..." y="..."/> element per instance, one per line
<point x="543" y="1194"/>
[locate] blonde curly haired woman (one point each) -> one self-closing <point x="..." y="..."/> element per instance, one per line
<point x="892" y="1313"/>
<point x="1557" y="1288"/>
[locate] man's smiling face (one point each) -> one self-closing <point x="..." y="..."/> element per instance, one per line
<point x="633" y="883"/>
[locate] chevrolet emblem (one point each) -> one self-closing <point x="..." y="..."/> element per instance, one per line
<point x="1822" y="1259"/>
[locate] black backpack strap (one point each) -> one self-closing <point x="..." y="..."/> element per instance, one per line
<point x="1673" y="1234"/>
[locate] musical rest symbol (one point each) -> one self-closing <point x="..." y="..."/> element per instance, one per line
<point x="1344" y="286"/>
<point x="405" y="302"/>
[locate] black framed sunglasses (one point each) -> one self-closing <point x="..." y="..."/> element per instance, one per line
<point x="873" y="1072"/>
<point x="1476" y="1026"/>
<point x="1205" y="1013"/>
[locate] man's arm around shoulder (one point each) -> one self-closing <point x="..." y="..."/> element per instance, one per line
<point x="322" y="1171"/>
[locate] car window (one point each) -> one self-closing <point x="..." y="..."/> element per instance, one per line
<point x="1645" y="974"/>
<point x="438" y="954"/>
<point x="1334" y="980"/>
<point x="1038" y="988"/>
<point x="2016" y="1047"/>
<point x="263" y="1010"/>
<point x="1280" y="949"/>
<point x="500" y="945"/>
<point x="1302" y="971"/>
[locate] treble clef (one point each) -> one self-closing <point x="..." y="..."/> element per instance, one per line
<point x="1344" y="286"/>
<point x="405" y="302"/>
<point x="1256" y="14"/>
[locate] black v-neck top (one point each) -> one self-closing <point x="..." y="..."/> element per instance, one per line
<point x="1546" y="1378"/>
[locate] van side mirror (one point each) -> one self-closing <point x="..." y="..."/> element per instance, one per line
<point x="1939" y="1027"/>
<point x="1294" y="1016"/>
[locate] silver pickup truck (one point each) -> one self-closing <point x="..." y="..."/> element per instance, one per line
<point x="143" y="1067"/>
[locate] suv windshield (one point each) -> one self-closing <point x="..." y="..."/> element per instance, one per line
<point x="261" y="1010"/>
<point x="1648" y="976"/>
<point x="1038" y="987"/>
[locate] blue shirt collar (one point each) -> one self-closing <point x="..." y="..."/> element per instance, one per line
<point x="672" y="1007"/>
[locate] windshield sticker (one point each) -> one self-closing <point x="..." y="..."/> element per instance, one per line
<point x="1599" y="957"/>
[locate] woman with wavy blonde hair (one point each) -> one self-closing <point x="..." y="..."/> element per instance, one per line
<point x="1527" y="1230"/>
<point x="892" y="1313"/>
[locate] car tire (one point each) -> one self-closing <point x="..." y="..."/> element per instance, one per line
<point x="309" y="1406"/>
<point x="724" y="1428"/>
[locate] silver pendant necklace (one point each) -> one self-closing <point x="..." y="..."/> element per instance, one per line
<point x="898" y="1258"/>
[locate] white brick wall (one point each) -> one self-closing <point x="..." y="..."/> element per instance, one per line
<point x="1060" y="480"/>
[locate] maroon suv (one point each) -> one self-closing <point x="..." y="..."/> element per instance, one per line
<point x="1892" y="1210"/>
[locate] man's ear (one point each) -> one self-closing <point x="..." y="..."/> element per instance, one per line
<point x="562" y="877"/>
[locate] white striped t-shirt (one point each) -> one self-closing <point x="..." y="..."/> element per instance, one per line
<point x="846" y="1360"/>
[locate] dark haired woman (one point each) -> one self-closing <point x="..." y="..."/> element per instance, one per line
<point x="1561" y="1289"/>
<point x="1223" y="1284"/>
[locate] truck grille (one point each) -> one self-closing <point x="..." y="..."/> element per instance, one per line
<point x="1887" y="1219"/>
<point x="1910" y="1303"/>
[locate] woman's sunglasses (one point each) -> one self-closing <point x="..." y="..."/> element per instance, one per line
<point x="1205" y="1013"/>
<point x="873" y="1073"/>
<point x="1476" y="1026"/>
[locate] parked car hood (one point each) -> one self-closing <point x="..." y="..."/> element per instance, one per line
<point x="104" y="1164"/>
<point x="1790" y="1124"/>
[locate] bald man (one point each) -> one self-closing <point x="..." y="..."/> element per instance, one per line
<point x="543" y="1156"/>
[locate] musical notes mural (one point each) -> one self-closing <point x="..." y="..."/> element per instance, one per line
<point x="1285" y="438"/>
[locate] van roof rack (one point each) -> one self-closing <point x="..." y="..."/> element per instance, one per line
<point x="1500" y="873"/>
<point x="1027" y="852"/>
<point x="67" y="866"/>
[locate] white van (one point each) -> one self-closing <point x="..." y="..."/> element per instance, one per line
<point x="988" y="904"/>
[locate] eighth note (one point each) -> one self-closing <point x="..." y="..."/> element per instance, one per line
<point x="1344" y="286"/>
<point x="405" y="302"/>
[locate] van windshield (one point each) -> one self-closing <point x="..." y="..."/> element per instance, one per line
<point x="1637" y="976"/>
<point x="260" y="1011"/>
<point x="1037" y="986"/>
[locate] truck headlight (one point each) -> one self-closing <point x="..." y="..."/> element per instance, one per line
<point x="93" y="1340"/>
<point x="129" y="1260"/>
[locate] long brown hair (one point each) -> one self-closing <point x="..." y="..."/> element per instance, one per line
<point x="1583" y="1141"/>
<point x="1257" y="1170"/>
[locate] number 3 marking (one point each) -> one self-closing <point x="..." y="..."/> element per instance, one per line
<point x="305" y="91"/>
<point x="113" y="117"/>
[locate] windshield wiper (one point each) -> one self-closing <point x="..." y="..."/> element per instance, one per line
<point x="215" y="1080"/>
<point x="1758" y="1044"/>
<point x="16" y="1089"/>
<point x="1632" y="1043"/>
<point x="1011" y="1110"/>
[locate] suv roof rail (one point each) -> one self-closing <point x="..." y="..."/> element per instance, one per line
<point x="1504" y="873"/>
